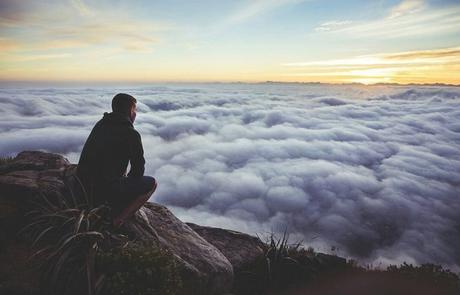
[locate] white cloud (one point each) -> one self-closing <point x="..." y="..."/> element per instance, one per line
<point x="255" y="8"/>
<point x="82" y="8"/>
<point x="332" y="25"/>
<point x="374" y="171"/>
<point x="409" y="18"/>
<point x="407" y="7"/>
<point x="79" y="25"/>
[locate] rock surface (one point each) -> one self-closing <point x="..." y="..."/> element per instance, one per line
<point x="22" y="180"/>
<point x="208" y="270"/>
<point x="241" y="249"/>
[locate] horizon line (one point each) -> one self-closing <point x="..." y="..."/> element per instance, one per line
<point x="109" y="82"/>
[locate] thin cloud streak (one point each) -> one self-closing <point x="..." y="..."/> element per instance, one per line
<point x="257" y="7"/>
<point x="407" y="7"/>
<point x="410" y="18"/>
<point x="434" y="56"/>
<point x="82" y="8"/>
<point x="384" y="66"/>
<point x="81" y="26"/>
<point x="332" y="25"/>
<point x="8" y="44"/>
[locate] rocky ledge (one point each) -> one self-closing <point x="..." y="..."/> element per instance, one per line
<point x="210" y="256"/>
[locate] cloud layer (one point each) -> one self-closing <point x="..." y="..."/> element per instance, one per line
<point x="373" y="171"/>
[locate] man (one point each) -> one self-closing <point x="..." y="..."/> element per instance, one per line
<point x="113" y="143"/>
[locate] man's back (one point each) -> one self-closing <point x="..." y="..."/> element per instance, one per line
<point x="112" y="143"/>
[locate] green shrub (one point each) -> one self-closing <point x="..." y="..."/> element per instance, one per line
<point x="138" y="269"/>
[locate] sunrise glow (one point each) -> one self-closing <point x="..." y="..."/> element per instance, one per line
<point x="410" y="41"/>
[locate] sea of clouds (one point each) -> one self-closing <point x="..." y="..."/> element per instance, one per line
<point x="373" y="171"/>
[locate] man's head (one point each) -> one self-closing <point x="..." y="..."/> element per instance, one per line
<point x="124" y="104"/>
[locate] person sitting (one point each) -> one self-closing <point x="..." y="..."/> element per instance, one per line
<point x="112" y="143"/>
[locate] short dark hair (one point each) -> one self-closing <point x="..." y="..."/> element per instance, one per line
<point x="122" y="103"/>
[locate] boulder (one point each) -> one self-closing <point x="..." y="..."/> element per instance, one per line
<point x="22" y="180"/>
<point x="29" y="174"/>
<point x="208" y="271"/>
<point x="239" y="248"/>
<point x="35" y="161"/>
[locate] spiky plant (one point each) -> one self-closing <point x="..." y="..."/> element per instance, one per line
<point x="66" y="232"/>
<point x="280" y="264"/>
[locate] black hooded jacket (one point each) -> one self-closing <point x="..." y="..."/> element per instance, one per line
<point x="112" y="143"/>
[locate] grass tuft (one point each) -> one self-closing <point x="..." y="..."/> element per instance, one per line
<point x="5" y="160"/>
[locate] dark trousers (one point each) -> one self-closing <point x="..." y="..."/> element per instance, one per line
<point x="126" y="190"/>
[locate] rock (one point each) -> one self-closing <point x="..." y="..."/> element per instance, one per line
<point x="208" y="270"/>
<point x="19" y="188"/>
<point x="21" y="182"/>
<point x="239" y="248"/>
<point x="205" y="269"/>
<point x="36" y="161"/>
<point x="16" y="275"/>
<point x="327" y="261"/>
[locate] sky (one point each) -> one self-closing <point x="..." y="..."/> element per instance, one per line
<point x="334" y="41"/>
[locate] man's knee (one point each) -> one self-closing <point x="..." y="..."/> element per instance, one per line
<point x="146" y="196"/>
<point x="151" y="184"/>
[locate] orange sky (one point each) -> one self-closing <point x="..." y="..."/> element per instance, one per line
<point x="409" y="41"/>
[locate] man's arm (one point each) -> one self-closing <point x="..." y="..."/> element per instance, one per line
<point x="136" y="156"/>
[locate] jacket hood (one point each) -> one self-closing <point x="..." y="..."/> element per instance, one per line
<point x="113" y="117"/>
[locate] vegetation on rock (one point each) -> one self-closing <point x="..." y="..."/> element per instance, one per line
<point x="138" y="269"/>
<point x="282" y="265"/>
<point x="65" y="234"/>
<point x="5" y="160"/>
<point x="79" y="252"/>
<point x="68" y="236"/>
<point x="290" y="268"/>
